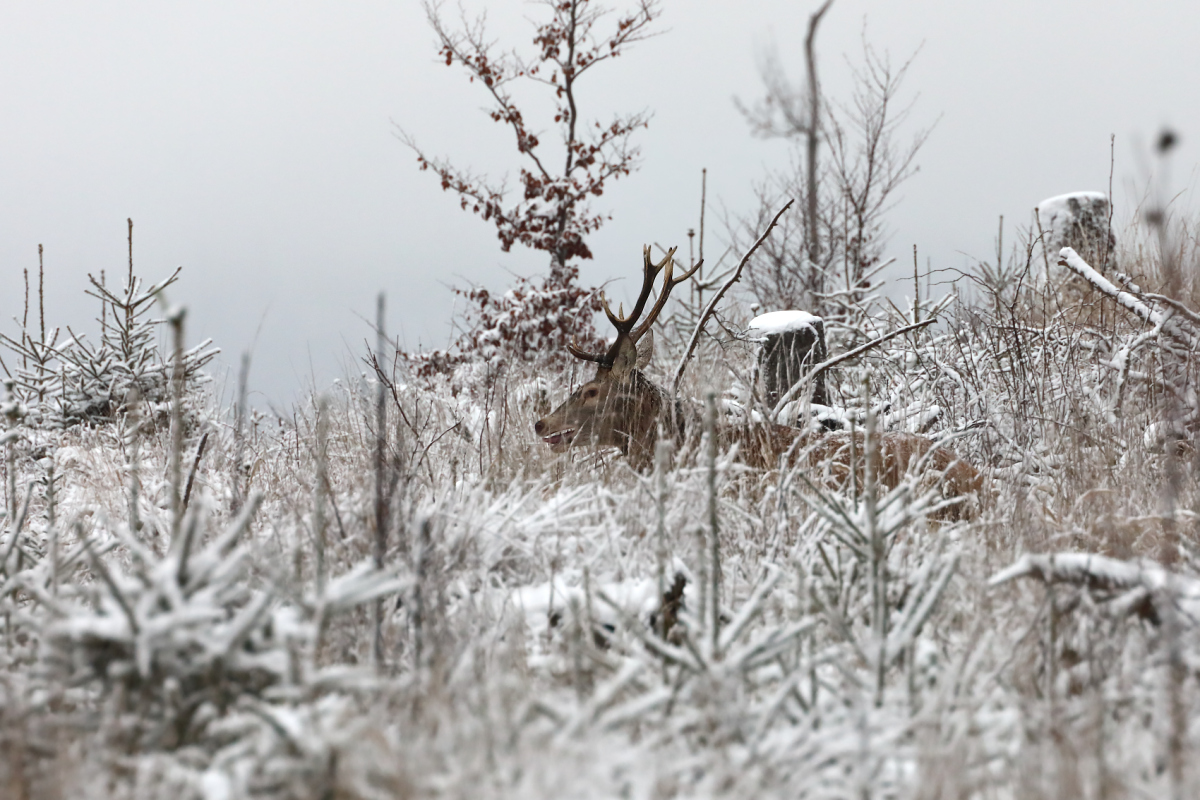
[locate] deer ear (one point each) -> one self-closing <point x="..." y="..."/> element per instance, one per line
<point x="645" y="350"/>
<point x="626" y="360"/>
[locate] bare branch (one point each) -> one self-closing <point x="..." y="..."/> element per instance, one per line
<point x="712" y="304"/>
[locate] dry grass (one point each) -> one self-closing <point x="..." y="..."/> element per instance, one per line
<point x="491" y="686"/>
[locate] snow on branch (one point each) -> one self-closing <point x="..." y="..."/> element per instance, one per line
<point x="1067" y="257"/>
<point x="1178" y="321"/>
<point x="1136" y="586"/>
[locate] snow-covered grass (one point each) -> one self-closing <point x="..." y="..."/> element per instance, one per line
<point x="562" y="626"/>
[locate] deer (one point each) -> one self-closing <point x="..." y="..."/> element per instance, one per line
<point x="622" y="408"/>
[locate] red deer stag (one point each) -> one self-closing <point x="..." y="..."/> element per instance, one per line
<point x="622" y="408"/>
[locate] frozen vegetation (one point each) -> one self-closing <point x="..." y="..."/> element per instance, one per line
<point x="398" y="592"/>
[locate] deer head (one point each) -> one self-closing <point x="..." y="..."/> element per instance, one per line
<point x="620" y="406"/>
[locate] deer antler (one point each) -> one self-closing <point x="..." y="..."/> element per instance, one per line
<point x="669" y="283"/>
<point x="599" y="358"/>
<point x="625" y="324"/>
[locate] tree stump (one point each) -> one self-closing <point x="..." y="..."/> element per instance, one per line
<point x="1079" y="220"/>
<point x="792" y="343"/>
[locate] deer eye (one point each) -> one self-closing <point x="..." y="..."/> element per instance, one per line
<point x="590" y="392"/>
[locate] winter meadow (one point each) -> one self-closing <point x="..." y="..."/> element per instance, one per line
<point x="927" y="535"/>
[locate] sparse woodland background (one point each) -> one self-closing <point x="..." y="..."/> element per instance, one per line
<point x="395" y="590"/>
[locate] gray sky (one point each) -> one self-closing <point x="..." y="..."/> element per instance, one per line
<point x="253" y="144"/>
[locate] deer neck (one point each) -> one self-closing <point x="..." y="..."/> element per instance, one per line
<point x="637" y="406"/>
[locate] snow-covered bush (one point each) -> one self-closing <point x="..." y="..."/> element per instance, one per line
<point x="63" y="380"/>
<point x="526" y="323"/>
<point x="204" y="650"/>
<point x="183" y="638"/>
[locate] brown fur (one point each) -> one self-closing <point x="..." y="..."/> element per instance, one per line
<point x="611" y="411"/>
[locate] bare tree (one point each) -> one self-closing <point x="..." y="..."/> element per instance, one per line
<point x="869" y="159"/>
<point x="825" y="262"/>
<point x="812" y="132"/>
<point x="551" y="210"/>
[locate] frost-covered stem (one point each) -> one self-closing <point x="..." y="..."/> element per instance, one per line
<point x="176" y="455"/>
<point x="709" y="309"/>
<point x="1037" y="217"/>
<point x="577" y="646"/>
<point x="701" y="575"/>
<point x="1051" y="660"/>
<point x="239" y="433"/>
<point x="128" y="307"/>
<point x="554" y="562"/>
<point x="41" y="295"/>
<point x="910" y="673"/>
<point x="133" y="420"/>
<point x="10" y="483"/>
<point x="103" y="310"/>
<point x="25" y="320"/>
<point x="52" y="526"/>
<point x="10" y="460"/>
<point x="877" y="545"/>
<point x="40" y="351"/>
<point x="193" y="470"/>
<point x="662" y="451"/>
<point x="714" y="540"/>
<point x="589" y="616"/>
<point x="1177" y="672"/>
<point x="381" y="510"/>
<point x="916" y="287"/>
<point x="15" y="529"/>
<point x="559" y="261"/>
<point x="320" y="525"/>
<point x="699" y="282"/>
<point x="813" y="137"/>
<point x="1124" y="360"/>
<point x="1172" y="628"/>
<point x="419" y="593"/>
<point x="13" y="536"/>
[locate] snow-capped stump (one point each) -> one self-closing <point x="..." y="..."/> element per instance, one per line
<point x="1079" y="220"/>
<point x="792" y="342"/>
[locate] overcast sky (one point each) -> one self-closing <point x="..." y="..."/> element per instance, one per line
<point x="254" y="144"/>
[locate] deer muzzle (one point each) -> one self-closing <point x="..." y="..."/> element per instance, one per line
<point x="559" y="438"/>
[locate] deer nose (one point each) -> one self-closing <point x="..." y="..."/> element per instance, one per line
<point x="538" y="427"/>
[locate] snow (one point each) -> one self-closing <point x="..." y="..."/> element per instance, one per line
<point x="636" y="597"/>
<point x="1061" y="204"/>
<point x="1077" y="219"/>
<point x="1058" y="213"/>
<point x="1067" y="257"/>
<point x="1099" y="570"/>
<point x="774" y="323"/>
<point x="1129" y="581"/>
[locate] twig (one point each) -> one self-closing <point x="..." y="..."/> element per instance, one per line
<point x="714" y="543"/>
<point x="175" y="317"/>
<point x="829" y="363"/>
<point x="712" y="304"/>
<point x="381" y="493"/>
<point x="187" y="492"/>
<point x="1067" y="257"/>
<point x="18" y="523"/>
